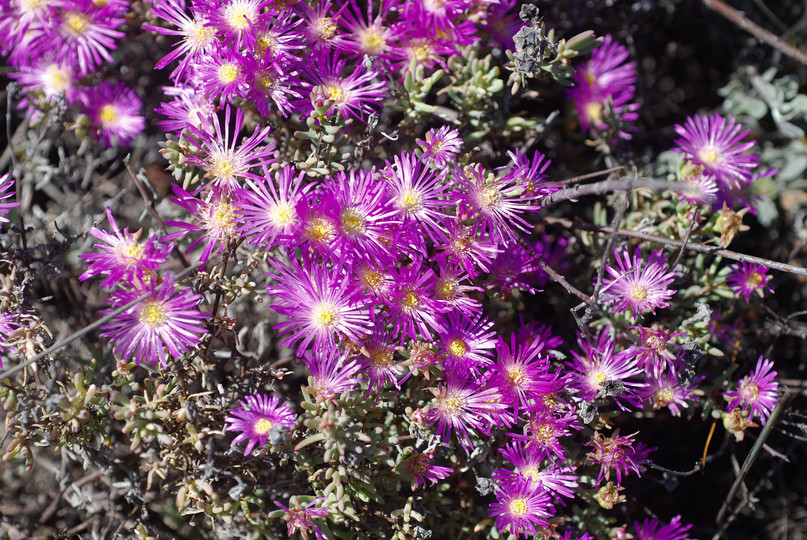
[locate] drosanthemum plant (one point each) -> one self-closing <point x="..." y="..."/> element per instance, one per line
<point x="638" y="285"/>
<point x="748" y="278"/>
<point x="163" y="320"/>
<point x="114" y="110"/>
<point x="256" y="417"/>
<point x="756" y="393"/>
<point x="521" y="507"/>
<point x="714" y="143"/>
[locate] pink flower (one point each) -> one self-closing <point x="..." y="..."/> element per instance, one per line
<point x="256" y="417"/>
<point x="756" y="392"/>
<point x="638" y="285"/>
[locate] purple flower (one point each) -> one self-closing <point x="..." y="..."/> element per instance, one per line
<point x="529" y="464"/>
<point x="365" y="217"/>
<point x="747" y="278"/>
<point x="333" y="374"/>
<point x="440" y="147"/>
<point x="377" y="360"/>
<point x="497" y="203"/>
<point x="123" y="258"/>
<point x="600" y="372"/>
<point x="215" y="215"/>
<point x="6" y="192"/>
<point x="272" y="83"/>
<point x="653" y="529"/>
<point x="714" y="143"/>
<point x="422" y="469"/>
<point x="53" y="79"/>
<point x="615" y="453"/>
<point x="368" y="35"/>
<point x="520" y="507"/>
<point x="8" y="323"/>
<point x="198" y="36"/>
<point x="236" y="20"/>
<point x="638" y="285"/>
<point x="530" y="174"/>
<point x="665" y="390"/>
<point x="220" y="74"/>
<point x="452" y="293"/>
<point x="417" y="192"/>
<point x="651" y="353"/>
<point x="605" y="83"/>
<point x="464" y="405"/>
<point x="543" y="432"/>
<point x="225" y="160"/>
<point x="258" y="414"/>
<point x="353" y="95"/>
<point x="414" y="308"/>
<point x="162" y="321"/>
<point x="302" y="518"/>
<point x="519" y="372"/>
<point x="187" y="108"/>
<point x="756" y="392"/>
<point x="467" y="343"/>
<point x="464" y="247"/>
<point x="266" y="214"/>
<point x="515" y="268"/>
<point x="114" y="110"/>
<point x="81" y="32"/>
<point x="316" y="298"/>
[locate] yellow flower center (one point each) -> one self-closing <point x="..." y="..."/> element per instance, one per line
<point x="265" y="42"/>
<point x="411" y="300"/>
<point x="133" y="250"/>
<point x="515" y="374"/>
<point x="371" y="279"/>
<point x="198" y="35"/>
<point x="56" y="80"/>
<point x="320" y="231"/>
<point x="240" y="15"/>
<point x="421" y="52"/>
<point x="543" y="434"/>
<point x="334" y="93"/>
<point x="372" y="41"/>
<point x="754" y="280"/>
<point x="518" y="507"/>
<point x="325" y="28"/>
<point x="76" y="23"/>
<point x="411" y="201"/>
<point x="749" y="390"/>
<point x="263" y="426"/>
<point x="325" y="316"/>
<point x="710" y="156"/>
<point x="221" y="218"/>
<point x="662" y="397"/>
<point x="108" y="115"/>
<point x="380" y="357"/>
<point x="447" y="289"/>
<point x="353" y="223"/>
<point x="153" y="314"/>
<point x="637" y="293"/>
<point x="457" y="348"/>
<point x="451" y="404"/>
<point x="228" y="72"/>
<point x="223" y="166"/>
<point x="282" y="214"/>
<point x="594" y="112"/>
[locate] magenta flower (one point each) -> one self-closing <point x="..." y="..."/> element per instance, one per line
<point x="519" y="372"/>
<point x="365" y="216"/>
<point x="122" y="257"/>
<point x="530" y="464"/>
<point x="366" y="34"/>
<point x="452" y="293"/>
<point x="301" y="518"/>
<point x="316" y="299"/>
<point x="272" y="83"/>
<point x="236" y="20"/>
<point x="514" y="268"/>
<point x="497" y="204"/>
<point x="162" y="321"/>
<point x="606" y="82"/>
<point x="440" y="147"/>
<point x="464" y="405"/>
<point x="652" y="353"/>
<point x="600" y="372"/>
<point x="6" y="192"/>
<point x="353" y="95"/>
<point x="418" y="192"/>
<point x="464" y="247"/>
<point x="714" y="143"/>
<point x="653" y="529"/>
<point x="221" y="74"/>
<point x="187" y="108"/>
<point x="214" y="216"/>
<point x="756" y="392"/>
<point x="638" y="285"/>
<point x="333" y="374"/>
<point x="377" y="360"/>
<point x="225" y="160"/>
<point x="520" y="507"/>
<point x="467" y="343"/>
<point x="8" y="323"/>
<point x="81" y="33"/>
<point x="266" y="214"/>
<point x="422" y="469"/>
<point x="531" y="173"/>
<point x="414" y="308"/>
<point x="665" y="390"/>
<point x="114" y="110"/>
<point x="543" y="432"/>
<point x="258" y="414"/>
<point x="747" y="278"/>
<point x="615" y="453"/>
<point x="198" y="36"/>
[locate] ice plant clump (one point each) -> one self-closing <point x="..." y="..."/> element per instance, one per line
<point x="256" y="417"/>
